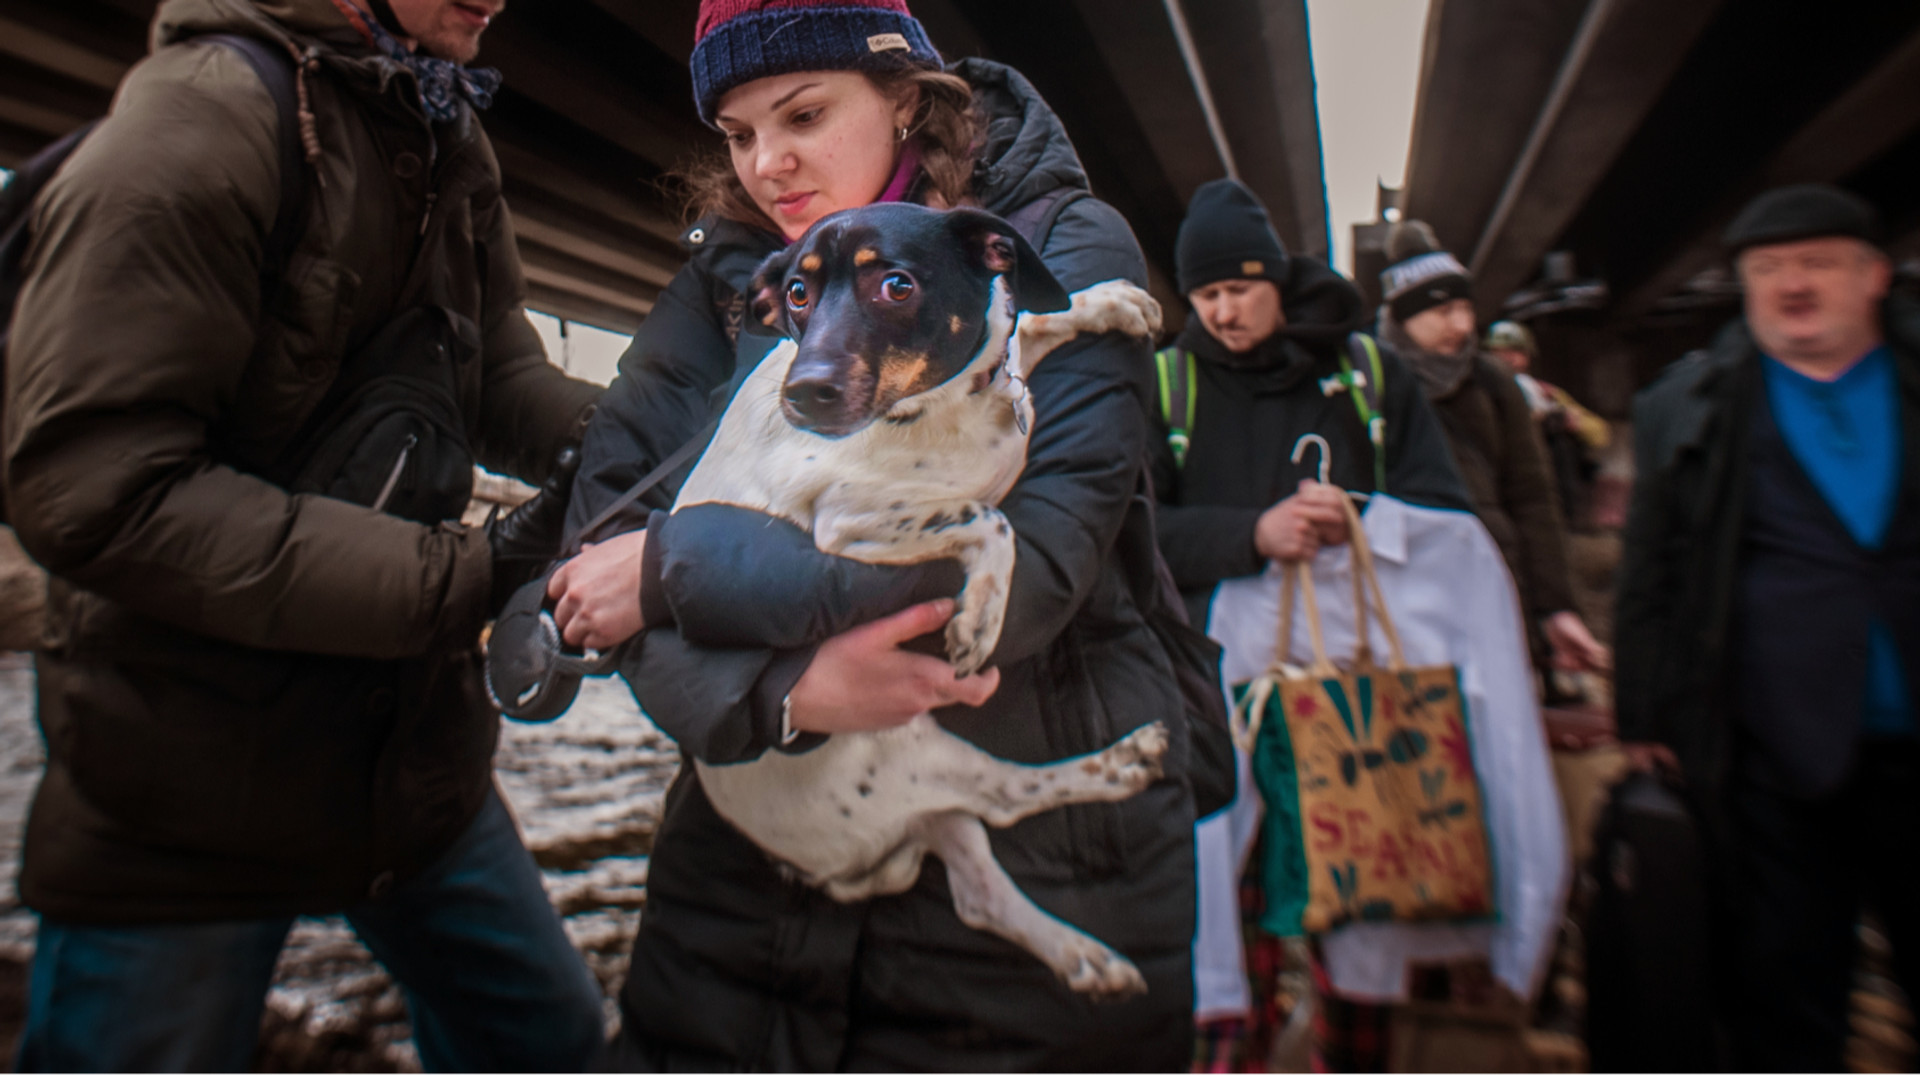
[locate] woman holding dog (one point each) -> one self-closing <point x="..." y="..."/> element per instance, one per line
<point x="737" y="965"/>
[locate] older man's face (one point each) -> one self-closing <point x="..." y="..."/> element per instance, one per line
<point x="448" y="29"/>
<point x="1814" y="297"/>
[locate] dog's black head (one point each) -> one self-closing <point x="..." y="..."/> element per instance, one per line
<point x="889" y="301"/>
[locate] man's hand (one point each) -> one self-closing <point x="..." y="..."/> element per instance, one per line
<point x="863" y="681"/>
<point x="1574" y="647"/>
<point x="597" y="593"/>
<point x="1295" y="528"/>
<point x="524" y="541"/>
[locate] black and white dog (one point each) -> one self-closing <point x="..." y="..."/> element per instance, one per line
<point x="890" y="423"/>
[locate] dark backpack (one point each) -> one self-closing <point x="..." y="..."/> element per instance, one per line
<point x="275" y="68"/>
<point x="1194" y="658"/>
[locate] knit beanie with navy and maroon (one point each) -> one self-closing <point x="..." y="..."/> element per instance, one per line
<point x="738" y="41"/>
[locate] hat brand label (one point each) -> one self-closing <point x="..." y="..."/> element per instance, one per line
<point x="1252" y="268"/>
<point x="888" y="43"/>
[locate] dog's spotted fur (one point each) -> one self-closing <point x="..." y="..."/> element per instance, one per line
<point x="919" y="481"/>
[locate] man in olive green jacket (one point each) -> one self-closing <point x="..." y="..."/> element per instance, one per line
<point x="259" y="704"/>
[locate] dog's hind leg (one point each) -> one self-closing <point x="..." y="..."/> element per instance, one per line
<point x="895" y="874"/>
<point x="987" y="899"/>
<point x="1111" y="775"/>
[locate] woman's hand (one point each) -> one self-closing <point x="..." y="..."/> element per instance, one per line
<point x="1574" y="647"/>
<point x="597" y="593"/>
<point x="1295" y="528"/>
<point x="862" y="680"/>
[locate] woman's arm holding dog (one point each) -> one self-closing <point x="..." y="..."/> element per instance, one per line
<point x="725" y="705"/>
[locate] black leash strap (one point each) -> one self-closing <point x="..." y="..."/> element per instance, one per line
<point x="681" y="457"/>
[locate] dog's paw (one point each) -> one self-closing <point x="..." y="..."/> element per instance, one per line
<point x="1135" y="760"/>
<point x="1094" y="970"/>
<point x="974" y="630"/>
<point x="1116" y="306"/>
<point x="968" y="642"/>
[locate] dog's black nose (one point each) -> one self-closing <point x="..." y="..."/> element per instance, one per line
<point x="814" y="398"/>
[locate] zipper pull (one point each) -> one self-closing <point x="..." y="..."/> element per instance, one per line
<point x="393" y="476"/>
<point x="426" y="218"/>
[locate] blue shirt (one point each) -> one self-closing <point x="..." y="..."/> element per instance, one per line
<point x="1845" y="433"/>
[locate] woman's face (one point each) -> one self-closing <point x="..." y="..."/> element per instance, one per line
<point x="812" y="143"/>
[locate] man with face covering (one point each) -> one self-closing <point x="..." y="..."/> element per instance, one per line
<point x="1249" y="418"/>
<point x="260" y="684"/>
<point x="1428" y="317"/>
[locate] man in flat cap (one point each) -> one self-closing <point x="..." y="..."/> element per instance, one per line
<point x="1769" y="616"/>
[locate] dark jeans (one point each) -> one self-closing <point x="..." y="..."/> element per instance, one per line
<point x="490" y="979"/>
<point x="1801" y="871"/>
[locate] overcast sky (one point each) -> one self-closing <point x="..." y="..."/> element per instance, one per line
<point x="1366" y="62"/>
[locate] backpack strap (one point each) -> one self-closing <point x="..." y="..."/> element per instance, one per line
<point x="1367" y="384"/>
<point x="1035" y="220"/>
<point x="1179" y="389"/>
<point x="276" y="68"/>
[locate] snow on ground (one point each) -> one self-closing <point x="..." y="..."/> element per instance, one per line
<point x="587" y="791"/>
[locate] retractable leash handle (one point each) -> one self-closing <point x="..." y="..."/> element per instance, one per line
<point x="531" y="673"/>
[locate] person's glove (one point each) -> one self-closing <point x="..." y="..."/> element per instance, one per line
<point x="526" y="540"/>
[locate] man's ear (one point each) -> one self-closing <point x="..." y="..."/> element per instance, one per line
<point x="769" y="285"/>
<point x="1005" y="252"/>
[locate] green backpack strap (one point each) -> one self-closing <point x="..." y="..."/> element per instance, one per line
<point x="1368" y="390"/>
<point x="1179" y="387"/>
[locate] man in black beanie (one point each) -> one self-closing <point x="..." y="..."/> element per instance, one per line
<point x="1769" y="616"/>
<point x="1269" y="357"/>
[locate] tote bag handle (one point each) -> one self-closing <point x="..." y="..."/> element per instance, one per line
<point x="1367" y="596"/>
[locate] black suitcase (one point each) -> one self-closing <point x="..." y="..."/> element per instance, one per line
<point x="1649" y="959"/>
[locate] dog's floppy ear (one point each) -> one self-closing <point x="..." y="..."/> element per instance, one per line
<point x="769" y="285"/>
<point x="1005" y="251"/>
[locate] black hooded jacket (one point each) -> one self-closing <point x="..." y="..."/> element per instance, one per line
<point x="1250" y="413"/>
<point x="739" y="967"/>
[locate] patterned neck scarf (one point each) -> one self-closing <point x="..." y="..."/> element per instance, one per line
<point x="443" y="83"/>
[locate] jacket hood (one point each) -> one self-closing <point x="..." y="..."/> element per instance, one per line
<point x="1026" y="153"/>
<point x="1322" y="306"/>
<point x="279" y="20"/>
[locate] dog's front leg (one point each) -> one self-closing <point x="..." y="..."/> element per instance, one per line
<point x="1110" y="306"/>
<point x="971" y="531"/>
<point x="987" y="899"/>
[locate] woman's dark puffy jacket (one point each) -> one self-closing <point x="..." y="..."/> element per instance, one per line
<point x="737" y="966"/>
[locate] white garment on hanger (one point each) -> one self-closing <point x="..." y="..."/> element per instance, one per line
<point x="1454" y="603"/>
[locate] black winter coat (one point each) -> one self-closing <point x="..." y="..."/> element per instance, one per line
<point x="736" y="966"/>
<point x="1679" y="571"/>
<point x="1251" y="410"/>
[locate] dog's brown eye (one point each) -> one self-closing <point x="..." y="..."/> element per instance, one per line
<point x="896" y="287"/>
<point x="797" y="294"/>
